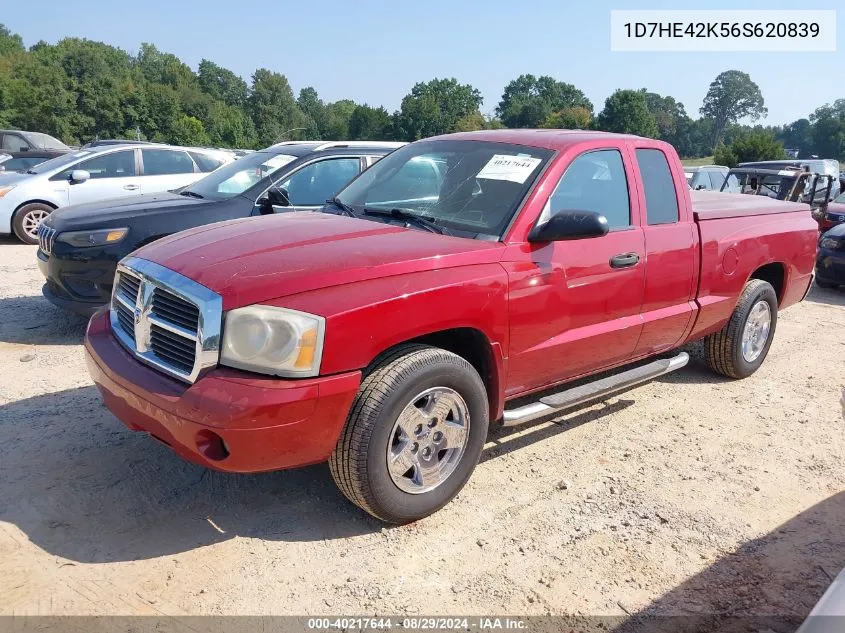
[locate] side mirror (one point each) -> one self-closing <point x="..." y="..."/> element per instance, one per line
<point x="570" y="225"/>
<point x="78" y="176"/>
<point x="277" y="197"/>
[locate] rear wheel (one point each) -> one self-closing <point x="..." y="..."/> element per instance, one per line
<point x="739" y="348"/>
<point x="27" y="220"/>
<point x="414" y="434"/>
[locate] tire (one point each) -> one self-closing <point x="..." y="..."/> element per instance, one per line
<point x="398" y="385"/>
<point x="825" y="284"/>
<point x="25" y="219"/>
<point x="724" y="351"/>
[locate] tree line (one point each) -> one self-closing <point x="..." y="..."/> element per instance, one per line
<point x="80" y="90"/>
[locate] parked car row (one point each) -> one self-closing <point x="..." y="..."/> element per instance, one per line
<point x="96" y="174"/>
<point x="81" y="246"/>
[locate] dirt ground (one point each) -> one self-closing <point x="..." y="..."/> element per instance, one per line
<point x="692" y="494"/>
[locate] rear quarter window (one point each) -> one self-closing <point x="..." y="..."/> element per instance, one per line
<point x="659" y="187"/>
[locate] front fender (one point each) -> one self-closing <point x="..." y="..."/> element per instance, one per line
<point x="366" y="318"/>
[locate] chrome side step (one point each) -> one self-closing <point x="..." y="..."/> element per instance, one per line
<point x="593" y="390"/>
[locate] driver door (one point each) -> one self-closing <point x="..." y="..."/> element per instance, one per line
<point x="575" y="305"/>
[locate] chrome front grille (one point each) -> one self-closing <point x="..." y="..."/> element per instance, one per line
<point x="46" y="238"/>
<point x="165" y="319"/>
<point x="179" y="312"/>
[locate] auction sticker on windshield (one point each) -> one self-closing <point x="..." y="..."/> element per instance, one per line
<point x="506" y="167"/>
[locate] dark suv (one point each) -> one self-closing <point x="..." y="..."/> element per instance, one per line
<point x="79" y="246"/>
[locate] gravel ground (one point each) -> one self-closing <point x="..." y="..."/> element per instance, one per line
<point x="692" y="494"/>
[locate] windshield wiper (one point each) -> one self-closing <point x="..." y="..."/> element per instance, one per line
<point x="427" y="222"/>
<point x="191" y="194"/>
<point x="345" y="208"/>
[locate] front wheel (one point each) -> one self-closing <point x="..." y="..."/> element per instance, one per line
<point x="414" y="434"/>
<point x="27" y="220"/>
<point x="739" y="348"/>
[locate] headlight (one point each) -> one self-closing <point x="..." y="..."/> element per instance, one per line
<point x="272" y="340"/>
<point x="829" y="242"/>
<point x="5" y="190"/>
<point x="92" y="238"/>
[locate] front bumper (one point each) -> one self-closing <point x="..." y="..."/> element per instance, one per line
<point x="77" y="281"/>
<point x="228" y="420"/>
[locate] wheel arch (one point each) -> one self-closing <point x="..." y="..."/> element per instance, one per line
<point x="774" y="273"/>
<point x="475" y="347"/>
<point x="52" y="205"/>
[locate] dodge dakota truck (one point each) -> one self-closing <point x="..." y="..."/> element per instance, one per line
<point x="462" y="281"/>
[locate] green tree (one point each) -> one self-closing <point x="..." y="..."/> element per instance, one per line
<point x="732" y="96"/>
<point x="435" y="107"/>
<point x="315" y="111"/>
<point x="798" y="135"/>
<point x="273" y="107"/>
<point x="338" y="116"/>
<point x="829" y="130"/>
<point x="626" y="112"/>
<point x="749" y="145"/>
<point x="573" y="118"/>
<point x="164" y="68"/>
<point x="221" y="84"/>
<point x="528" y="101"/>
<point x="670" y="116"/>
<point x="9" y="42"/>
<point x="370" y="124"/>
<point x="188" y="130"/>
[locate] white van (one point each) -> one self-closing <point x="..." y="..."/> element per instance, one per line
<point x="98" y="173"/>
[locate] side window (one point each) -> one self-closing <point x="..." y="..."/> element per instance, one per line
<point x="14" y="143"/>
<point x="595" y="181"/>
<point x="660" y="198"/>
<point x="315" y="183"/>
<point x="114" y="165"/>
<point x="717" y="178"/>
<point x="163" y="162"/>
<point x="205" y="162"/>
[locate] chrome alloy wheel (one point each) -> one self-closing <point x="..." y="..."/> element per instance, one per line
<point x="428" y="440"/>
<point x="756" y="331"/>
<point x="32" y="220"/>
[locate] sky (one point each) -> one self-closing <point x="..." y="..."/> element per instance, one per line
<point x="374" y="51"/>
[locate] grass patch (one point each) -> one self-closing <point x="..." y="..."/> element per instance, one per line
<point x="697" y="162"/>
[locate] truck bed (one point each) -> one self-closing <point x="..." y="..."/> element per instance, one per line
<point x="711" y="205"/>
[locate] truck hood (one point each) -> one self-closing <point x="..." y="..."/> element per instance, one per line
<point x="110" y="212"/>
<point x="252" y="260"/>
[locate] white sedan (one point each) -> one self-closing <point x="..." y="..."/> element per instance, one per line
<point x="98" y="173"/>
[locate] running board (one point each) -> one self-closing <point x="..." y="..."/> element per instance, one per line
<point x="592" y="390"/>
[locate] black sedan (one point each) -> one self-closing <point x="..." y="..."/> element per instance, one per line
<point x="79" y="246"/>
<point x="830" y="260"/>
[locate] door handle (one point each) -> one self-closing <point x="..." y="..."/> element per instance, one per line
<point x="624" y="260"/>
<point x="130" y="187"/>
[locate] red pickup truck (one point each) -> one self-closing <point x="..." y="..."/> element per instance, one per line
<point x="462" y="281"/>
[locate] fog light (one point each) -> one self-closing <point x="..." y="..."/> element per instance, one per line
<point x="212" y="446"/>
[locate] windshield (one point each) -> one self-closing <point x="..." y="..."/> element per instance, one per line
<point x="238" y="176"/>
<point x="45" y="141"/>
<point x="472" y="188"/>
<point x="840" y="199"/>
<point x="59" y="161"/>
